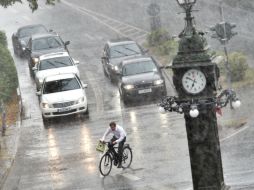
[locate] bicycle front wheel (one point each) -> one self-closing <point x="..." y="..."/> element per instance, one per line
<point x="105" y="164"/>
<point x="127" y="157"/>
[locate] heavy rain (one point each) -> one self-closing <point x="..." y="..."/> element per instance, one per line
<point x="69" y="68"/>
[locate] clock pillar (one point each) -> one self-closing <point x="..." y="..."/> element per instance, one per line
<point x="202" y="131"/>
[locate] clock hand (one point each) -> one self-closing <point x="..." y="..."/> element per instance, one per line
<point x="191" y="79"/>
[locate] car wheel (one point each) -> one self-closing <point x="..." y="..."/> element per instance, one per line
<point x="124" y="99"/>
<point x="46" y="121"/>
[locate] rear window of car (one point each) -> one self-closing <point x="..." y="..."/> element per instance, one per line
<point x="47" y="43"/>
<point x="26" y="32"/>
<point x="138" y="68"/>
<point x="124" y="50"/>
<point x="56" y="62"/>
<point x="61" y="85"/>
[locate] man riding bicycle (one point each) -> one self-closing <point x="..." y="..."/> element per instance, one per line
<point x="119" y="137"/>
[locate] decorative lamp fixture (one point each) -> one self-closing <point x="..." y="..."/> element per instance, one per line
<point x="186" y="4"/>
<point x="236" y="104"/>
<point x="194" y="106"/>
<point x="194" y="111"/>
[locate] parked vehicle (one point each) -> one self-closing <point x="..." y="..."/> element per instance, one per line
<point x="140" y="77"/>
<point x="40" y="44"/>
<point x="21" y="37"/>
<point x="116" y="51"/>
<point x="53" y="64"/>
<point x="61" y="95"/>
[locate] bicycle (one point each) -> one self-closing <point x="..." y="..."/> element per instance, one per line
<point x="111" y="156"/>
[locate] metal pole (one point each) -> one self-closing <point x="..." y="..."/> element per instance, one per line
<point x="227" y="66"/>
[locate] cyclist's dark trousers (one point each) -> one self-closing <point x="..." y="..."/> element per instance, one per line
<point x="120" y="148"/>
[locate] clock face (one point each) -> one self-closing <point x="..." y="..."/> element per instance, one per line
<point x="194" y="81"/>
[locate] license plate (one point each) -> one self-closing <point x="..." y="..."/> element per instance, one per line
<point x="63" y="109"/>
<point x="145" y="91"/>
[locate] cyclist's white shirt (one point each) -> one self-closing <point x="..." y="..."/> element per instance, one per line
<point x="119" y="133"/>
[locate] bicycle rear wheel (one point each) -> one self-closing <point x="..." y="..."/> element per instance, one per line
<point x="127" y="157"/>
<point x="105" y="164"/>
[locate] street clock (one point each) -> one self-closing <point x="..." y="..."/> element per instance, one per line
<point x="193" y="81"/>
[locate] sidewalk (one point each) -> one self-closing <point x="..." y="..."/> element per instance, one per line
<point x="8" y="149"/>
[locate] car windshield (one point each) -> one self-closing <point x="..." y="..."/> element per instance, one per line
<point x="124" y="50"/>
<point x="26" y="32"/>
<point x="56" y="62"/>
<point x="47" y="43"/>
<point x="138" y="68"/>
<point x="61" y="85"/>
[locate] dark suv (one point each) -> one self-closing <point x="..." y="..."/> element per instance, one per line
<point x="140" y="77"/>
<point x="116" y="51"/>
<point x="40" y="44"/>
<point x="21" y="37"/>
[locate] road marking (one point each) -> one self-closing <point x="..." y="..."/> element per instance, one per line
<point x="97" y="93"/>
<point x="111" y="23"/>
<point x="131" y="177"/>
<point x="233" y="134"/>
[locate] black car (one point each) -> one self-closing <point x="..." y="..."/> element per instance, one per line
<point x="40" y="44"/>
<point x="116" y="51"/>
<point x="139" y="78"/>
<point x="21" y="37"/>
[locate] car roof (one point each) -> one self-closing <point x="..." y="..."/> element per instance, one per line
<point x="120" y="41"/>
<point x="31" y="26"/>
<point x="137" y="59"/>
<point x="60" y="77"/>
<point x="42" y="35"/>
<point x="53" y="55"/>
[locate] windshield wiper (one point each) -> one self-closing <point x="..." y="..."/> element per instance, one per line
<point x="120" y="52"/>
<point x="131" y="50"/>
<point x="60" y="62"/>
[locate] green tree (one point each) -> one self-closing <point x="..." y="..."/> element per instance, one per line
<point x="33" y="4"/>
<point x="8" y="73"/>
<point x="238" y="66"/>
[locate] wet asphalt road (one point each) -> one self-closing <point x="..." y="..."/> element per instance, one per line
<point x="63" y="156"/>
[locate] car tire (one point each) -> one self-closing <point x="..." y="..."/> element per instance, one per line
<point x="46" y="121"/>
<point x="124" y="99"/>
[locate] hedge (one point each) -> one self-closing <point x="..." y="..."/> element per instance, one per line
<point x="8" y="72"/>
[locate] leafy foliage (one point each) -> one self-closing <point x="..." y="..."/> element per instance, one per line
<point x="33" y="4"/>
<point x="160" y="39"/>
<point x="8" y="73"/>
<point x="238" y="65"/>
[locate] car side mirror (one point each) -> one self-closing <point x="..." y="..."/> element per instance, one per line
<point x="146" y="50"/>
<point x="28" y="49"/>
<point x="67" y="43"/>
<point x="84" y="85"/>
<point x="38" y="93"/>
<point x="76" y="62"/>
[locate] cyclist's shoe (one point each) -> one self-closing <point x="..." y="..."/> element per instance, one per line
<point x="119" y="165"/>
<point x="115" y="162"/>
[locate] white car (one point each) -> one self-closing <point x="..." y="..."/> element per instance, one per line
<point x="52" y="64"/>
<point x="61" y="95"/>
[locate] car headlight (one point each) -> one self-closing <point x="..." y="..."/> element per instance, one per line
<point x="45" y="105"/>
<point x="114" y="67"/>
<point x="128" y="87"/>
<point x="35" y="60"/>
<point x="80" y="100"/>
<point x="40" y="80"/>
<point x="158" y="82"/>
